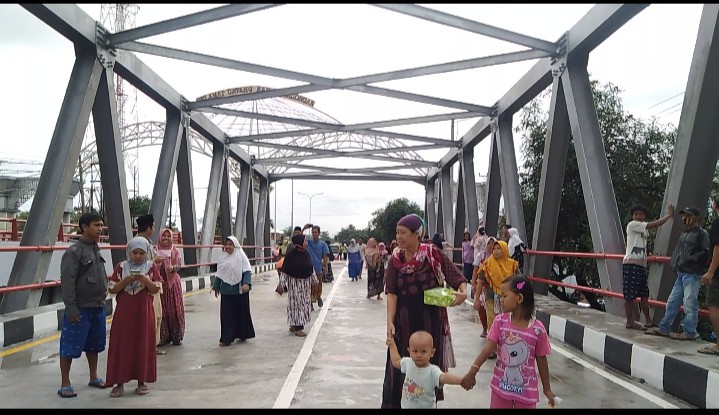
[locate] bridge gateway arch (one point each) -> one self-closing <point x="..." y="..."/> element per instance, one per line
<point x="560" y="63"/>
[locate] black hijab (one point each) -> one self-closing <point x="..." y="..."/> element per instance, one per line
<point x="297" y="262"/>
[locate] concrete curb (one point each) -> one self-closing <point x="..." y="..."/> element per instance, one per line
<point x="26" y="325"/>
<point x="691" y="383"/>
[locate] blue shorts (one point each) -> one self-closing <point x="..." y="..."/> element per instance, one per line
<point x="89" y="335"/>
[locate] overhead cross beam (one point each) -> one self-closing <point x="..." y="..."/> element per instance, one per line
<point x="183" y="22"/>
<point x="469" y="25"/>
<point x="320" y="82"/>
<point x="588" y="33"/>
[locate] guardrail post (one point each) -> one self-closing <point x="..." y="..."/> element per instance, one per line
<point x="13" y="234"/>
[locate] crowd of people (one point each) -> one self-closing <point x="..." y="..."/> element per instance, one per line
<point x="150" y="311"/>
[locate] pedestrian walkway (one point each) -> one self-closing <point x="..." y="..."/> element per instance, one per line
<point x="340" y="364"/>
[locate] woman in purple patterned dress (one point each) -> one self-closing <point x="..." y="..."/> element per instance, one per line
<point x="414" y="268"/>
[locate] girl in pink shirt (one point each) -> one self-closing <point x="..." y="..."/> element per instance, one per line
<point x="520" y="340"/>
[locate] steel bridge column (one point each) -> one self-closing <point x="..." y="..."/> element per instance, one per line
<point x="213" y="196"/>
<point x="445" y="192"/>
<point x="112" y="166"/>
<point x="243" y="196"/>
<point x="494" y="189"/>
<point x="466" y="159"/>
<point x="460" y="218"/>
<point x="166" y="166"/>
<point x="55" y="180"/>
<point x="262" y="220"/>
<point x="696" y="148"/>
<point x="186" y="200"/>
<point x="510" y="178"/>
<point x="250" y="216"/>
<point x="602" y="212"/>
<point x="549" y="196"/>
<point x="225" y="208"/>
<point x="430" y="206"/>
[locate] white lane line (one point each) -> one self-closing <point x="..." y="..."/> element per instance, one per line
<point x="287" y="393"/>
<point x="624" y="384"/>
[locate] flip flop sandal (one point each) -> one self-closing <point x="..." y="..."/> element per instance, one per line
<point x="117" y="392"/>
<point x="709" y="350"/>
<point x="682" y="336"/>
<point x="656" y="332"/>
<point x="97" y="383"/>
<point x="649" y="326"/>
<point x="142" y="390"/>
<point x="300" y="333"/>
<point x="66" y="392"/>
<point x="634" y="326"/>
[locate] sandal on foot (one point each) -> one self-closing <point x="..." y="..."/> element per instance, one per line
<point x="224" y="344"/>
<point x="300" y="333"/>
<point x="682" y="336"/>
<point x="142" y="390"/>
<point x="117" y="391"/>
<point x="66" y="392"/>
<point x="634" y="326"/>
<point x="483" y="335"/>
<point x="649" y="326"/>
<point x="656" y="332"/>
<point x="97" y="383"/>
<point x="709" y="350"/>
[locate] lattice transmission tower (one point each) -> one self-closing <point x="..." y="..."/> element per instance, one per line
<point x="115" y="18"/>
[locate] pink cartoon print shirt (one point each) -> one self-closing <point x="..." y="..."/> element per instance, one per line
<point x="515" y="372"/>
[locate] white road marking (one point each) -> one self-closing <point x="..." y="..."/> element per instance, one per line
<point x="624" y="384"/>
<point x="287" y="393"/>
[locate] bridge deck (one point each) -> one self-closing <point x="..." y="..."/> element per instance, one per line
<point x="340" y="364"/>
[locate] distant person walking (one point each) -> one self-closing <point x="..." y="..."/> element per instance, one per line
<point x="297" y="275"/>
<point x="354" y="261"/>
<point x="172" y="329"/>
<point x="84" y="290"/>
<point x="711" y="280"/>
<point x="233" y="281"/>
<point x="375" y="278"/>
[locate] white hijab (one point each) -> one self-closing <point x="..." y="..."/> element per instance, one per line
<point x="353" y="248"/>
<point x="129" y="267"/>
<point x="231" y="266"/>
<point x="514" y="240"/>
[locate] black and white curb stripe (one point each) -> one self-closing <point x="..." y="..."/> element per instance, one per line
<point x="691" y="383"/>
<point x="26" y="325"/>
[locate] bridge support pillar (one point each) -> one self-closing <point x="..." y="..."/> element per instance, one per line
<point x="696" y="150"/>
<point x="186" y="200"/>
<point x="213" y="196"/>
<point x="494" y="188"/>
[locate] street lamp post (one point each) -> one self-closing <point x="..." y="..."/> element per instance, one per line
<point x="310" y="197"/>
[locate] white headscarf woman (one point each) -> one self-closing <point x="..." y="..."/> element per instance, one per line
<point x="231" y="266"/>
<point x="514" y="240"/>
<point x="132" y="268"/>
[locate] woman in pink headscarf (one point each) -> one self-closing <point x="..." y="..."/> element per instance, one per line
<point x="173" y="306"/>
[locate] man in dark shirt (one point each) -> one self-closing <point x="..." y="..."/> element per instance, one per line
<point x="689" y="262"/>
<point x="711" y="280"/>
<point x="83" y="280"/>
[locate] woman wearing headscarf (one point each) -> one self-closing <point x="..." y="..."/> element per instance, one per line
<point x="480" y="294"/>
<point x="233" y="280"/>
<point x="354" y="260"/>
<point x="132" y="350"/>
<point x="415" y="268"/>
<point x="329" y="275"/>
<point x="172" y="328"/>
<point x="493" y="271"/>
<point x="297" y="275"/>
<point x="479" y="241"/>
<point x="516" y="248"/>
<point x="467" y="256"/>
<point x="375" y="279"/>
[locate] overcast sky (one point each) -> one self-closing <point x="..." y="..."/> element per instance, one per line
<point x="648" y="59"/>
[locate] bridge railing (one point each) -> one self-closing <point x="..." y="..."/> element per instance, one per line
<point x="599" y="291"/>
<point x="56" y="283"/>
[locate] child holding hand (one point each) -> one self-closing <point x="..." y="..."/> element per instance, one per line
<point x="421" y="376"/>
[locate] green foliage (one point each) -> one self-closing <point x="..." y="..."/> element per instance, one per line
<point x="350" y="232"/>
<point x="639" y="157"/>
<point x="384" y="221"/>
<point x="139" y="205"/>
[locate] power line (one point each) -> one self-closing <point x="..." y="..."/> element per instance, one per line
<point x="668" y="99"/>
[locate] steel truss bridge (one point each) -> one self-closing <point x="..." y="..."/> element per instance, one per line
<point x="560" y="63"/>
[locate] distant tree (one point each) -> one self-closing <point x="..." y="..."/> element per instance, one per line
<point x="350" y="232"/>
<point x="383" y="224"/>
